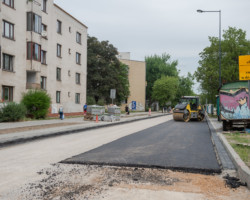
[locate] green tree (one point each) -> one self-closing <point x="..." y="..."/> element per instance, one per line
<point x="37" y="103"/>
<point x="157" y="66"/>
<point x="164" y="89"/>
<point x="233" y="44"/>
<point x="185" y="87"/>
<point x="105" y="72"/>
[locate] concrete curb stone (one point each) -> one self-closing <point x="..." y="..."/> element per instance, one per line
<point x="243" y="171"/>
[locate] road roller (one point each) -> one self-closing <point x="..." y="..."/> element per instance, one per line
<point x="188" y="108"/>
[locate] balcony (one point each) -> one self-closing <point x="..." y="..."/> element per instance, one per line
<point x="34" y="86"/>
<point x="31" y="81"/>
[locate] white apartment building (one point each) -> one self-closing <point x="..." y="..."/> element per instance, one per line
<point x="42" y="47"/>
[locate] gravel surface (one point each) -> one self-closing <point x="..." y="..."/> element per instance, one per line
<point x="64" y="181"/>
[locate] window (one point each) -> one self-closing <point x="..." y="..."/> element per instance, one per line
<point x="77" y="98"/>
<point x="34" y="22"/>
<point x="43" y="57"/>
<point x="78" y="78"/>
<point x="9" y="3"/>
<point x="7" y="94"/>
<point x="58" y="96"/>
<point x="44" y="27"/>
<point x="8" y="30"/>
<point x="44" y="5"/>
<point x="78" y="37"/>
<point x="59" y="50"/>
<point x="44" y="31"/>
<point x="33" y="51"/>
<point x="59" y="27"/>
<point x="78" y="58"/>
<point x="58" y="74"/>
<point x="8" y="62"/>
<point x="43" y="82"/>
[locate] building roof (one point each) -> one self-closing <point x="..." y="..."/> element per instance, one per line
<point x="70" y="15"/>
<point x="131" y="60"/>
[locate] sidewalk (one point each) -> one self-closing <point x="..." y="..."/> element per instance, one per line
<point x="19" y="132"/>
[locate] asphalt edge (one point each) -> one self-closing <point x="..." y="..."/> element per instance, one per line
<point x="177" y="169"/>
<point x="72" y="131"/>
<point x="243" y="172"/>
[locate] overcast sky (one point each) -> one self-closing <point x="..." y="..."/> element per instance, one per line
<point x="148" y="27"/>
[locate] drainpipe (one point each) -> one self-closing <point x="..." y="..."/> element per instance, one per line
<point x="31" y="32"/>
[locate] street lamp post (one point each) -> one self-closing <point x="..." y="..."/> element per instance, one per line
<point x="218" y="11"/>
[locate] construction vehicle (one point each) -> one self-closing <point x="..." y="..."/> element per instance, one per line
<point x="188" y="108"/>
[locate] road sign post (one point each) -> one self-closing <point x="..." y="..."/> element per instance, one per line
<point x="112" y="94"/>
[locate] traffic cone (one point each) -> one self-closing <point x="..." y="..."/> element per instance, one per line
<point x="96" y="118"/>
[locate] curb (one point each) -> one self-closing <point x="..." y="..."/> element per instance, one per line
<point x="72" y="131"/>
<point x="243" y="171"/>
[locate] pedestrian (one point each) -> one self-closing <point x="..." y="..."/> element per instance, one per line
<point x="61" y="112"/>
<point x="85" y="109"/>
<point x="127" y="109"/>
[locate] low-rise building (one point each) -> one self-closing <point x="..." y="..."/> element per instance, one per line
<point x="42" y="47"/>
<point x="137" y="83"/>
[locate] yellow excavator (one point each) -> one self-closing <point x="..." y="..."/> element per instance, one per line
<point x="188" y="108"/>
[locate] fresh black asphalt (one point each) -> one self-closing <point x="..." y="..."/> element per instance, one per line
<point x="171" y="145"/>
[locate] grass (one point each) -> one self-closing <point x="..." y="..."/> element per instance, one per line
<point x="237" y="140"/>
<point x="243" y="152"/>
<point x="212" y="116"/>
<point x="239" y="137"/>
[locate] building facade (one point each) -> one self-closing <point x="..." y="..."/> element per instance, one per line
<point x="137" y="82"/>
<point x="42" y="47"/>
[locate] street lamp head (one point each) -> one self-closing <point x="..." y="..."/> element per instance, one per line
<point x="200" y="11"/>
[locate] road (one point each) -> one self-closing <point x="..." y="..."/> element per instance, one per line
<point x="20" y="164"/>
<point x="31" y="170"/>
<point x="172" y="145"/>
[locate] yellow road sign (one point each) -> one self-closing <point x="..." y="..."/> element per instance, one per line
<point x="244" y="67"/>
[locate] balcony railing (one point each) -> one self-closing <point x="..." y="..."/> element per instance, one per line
<point x="33" y="86"/>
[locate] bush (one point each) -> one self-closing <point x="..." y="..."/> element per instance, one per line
<point x="12" y="112"/>
<point x="101" y="102"/>
<point x="90" y="100"/>
<point x="37" y="103"/>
